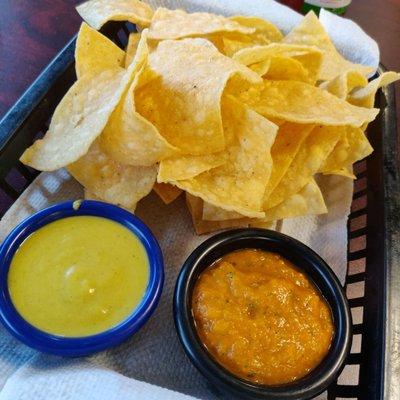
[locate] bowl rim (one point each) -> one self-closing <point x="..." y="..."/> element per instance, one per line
<point x="318" y="379"/>
<point x="80" y="346"/>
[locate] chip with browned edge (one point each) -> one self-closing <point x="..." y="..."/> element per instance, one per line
<point x="168" y="193"/>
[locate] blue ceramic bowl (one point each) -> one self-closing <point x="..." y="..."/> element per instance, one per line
<point x="79" y="346"/>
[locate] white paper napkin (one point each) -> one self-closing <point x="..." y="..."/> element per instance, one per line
<point x="352" y="42"/>
<point x="154" y="354"/>
<point x="49" y="378"/>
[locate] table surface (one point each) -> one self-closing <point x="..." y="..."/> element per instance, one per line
<point x="33" y="32"/>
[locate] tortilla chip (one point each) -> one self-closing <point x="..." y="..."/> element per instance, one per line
<point x="344" y="83"/>
<point x="133" y="42"/>
<point x="308" y="160"/>
<point x="347" y="172"/>
<point x="281" y="68"/>
<point x="352" y="147"/>
<point x="263" y="29"/>
<point x="288" y="141"/>
<point x="188" y="114"/>
<point x="97" y="12"/>
<point x="308" y="201"/>
<point x="80" y="117"/>
<point x="305" y="104"/>
<point x="261" y="68"/>
<point x="311" y="32"/>
<point x="265" y="33"/>
<point x="214" y="213"/>
<point x="89" y="195"/>
<point x="195" y="205"/>
<point x="229" y="46"/>
<point x="128" y="137"/>
<point x="77" y="121"/>
<point x="365" y="97"/>
<point x="286" y="68"/>
<point x="309" y="56"/>
<point x="176" y="24"/>
<point x="187" y="167"/>
<point x="168" y="193"/>
<point x="239" y="184"/>
<point x="95" y="53"/>
<point x="111" y="181"/>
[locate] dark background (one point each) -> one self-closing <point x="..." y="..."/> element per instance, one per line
<point x="32" y="32"/>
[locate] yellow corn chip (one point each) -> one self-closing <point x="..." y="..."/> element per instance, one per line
<point x="347" y="172"/>
<point x="288" y="141"/>
<point x="263" y="29"/>
<point x="188" y="113"/>
<point x="95" y="53"/>
<point x="80" y="117"/>
<point x="309" y="56"/>
<point x="365" y="97"/>
<point x="286" y="68"/>
<point x="214" y="213"/>
<point x="128" y="137"/>
<point x="229" y="46"/>
<point x="239" y="184"/>
<point x="308" y="201"/>
<point x="97" y="12"/>
<point x="344" y="83"/>
<point x="312" y="33"/>
<point x="176" y="24"/>
<point x="110" y="181"/>
<point x="168" y="193"/>
<point x="352" y="147"/>
<point x="78" y="120"/>
<point x="187" y="167"/>
<point x="305" y="104"/>
<point x="281" y="68"/>
<point x="89" y="195"/>
<point x="195" y="205"/>
<point x="308" y="160"/>
<point x="133" y="42"/>
<point x="261" y="68"/>
<point x="265" y="33"/>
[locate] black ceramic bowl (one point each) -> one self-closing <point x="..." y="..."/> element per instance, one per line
<point x="305" y="259"/>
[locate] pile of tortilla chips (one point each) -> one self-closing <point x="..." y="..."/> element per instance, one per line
<point x="228" y="110"/>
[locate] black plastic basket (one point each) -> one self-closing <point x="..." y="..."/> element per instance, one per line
<point x="373" y="275"/>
